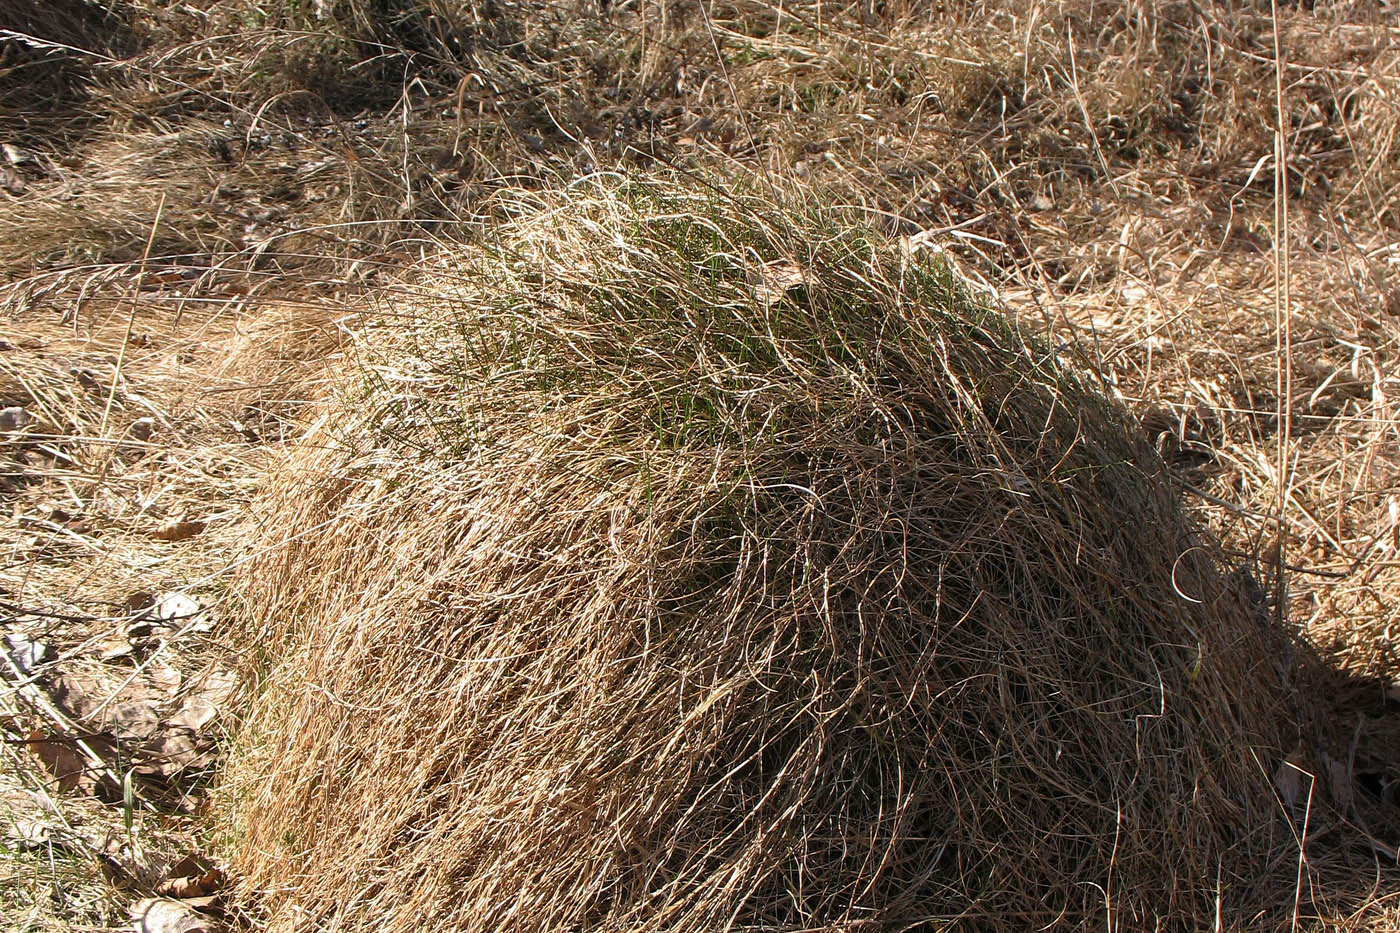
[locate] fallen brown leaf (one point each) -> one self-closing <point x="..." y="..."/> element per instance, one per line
<point x="60" y="759"/>
<point x="190" y="886"/>
<point x="163" y="915"/>
<point x="178" y="530"/>
<point x="773" y="280"/>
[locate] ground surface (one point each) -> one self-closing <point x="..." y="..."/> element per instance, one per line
<point x="198" y="201"/>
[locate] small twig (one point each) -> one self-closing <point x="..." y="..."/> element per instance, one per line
<point x="130" y="320"/>
<point x="1283" y="379"/>
<point x="1302" y="849"/>
<point x="734" y="93"/>
<point x="17" y="612"/>
<point x="35" y="697"/>
<point x="1084" y="110"/>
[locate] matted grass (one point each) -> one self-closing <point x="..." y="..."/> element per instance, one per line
<point x="695" y="563"/>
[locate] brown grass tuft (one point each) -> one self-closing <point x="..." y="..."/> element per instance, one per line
<point x="609" y="595"/>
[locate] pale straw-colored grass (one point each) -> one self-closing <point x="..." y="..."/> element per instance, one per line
<point x="609" y="595"/>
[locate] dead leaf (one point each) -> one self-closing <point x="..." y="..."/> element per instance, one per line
<point x="76" y="694"/>
<point x="124" y="860"/>
<point x="175" y="609"/>
<point x="189" y="864"/>
<point x="137" y="720"/>
<point x="138" y="602"/>
<point x="775" y="279"/>
<point x="142" y="428"/>
<point x="16" y="155"/>
<point x="203" y="703"/>
<point x="27" y="833"/>
<point x="184" y="741"/>
<point x="11" y="181"/>
<point x="61" y="760"/>
<point x="27" y="655"/>
<point x="191" y="877"/>
<point x="164" y="677"/>
<point x="195" y="714"/>
<point x="1289" y="781"/>
<point x="13" y="419"/>
<point x="163" y="915"/>
<point x="113" y="647"/>
<point x="190" y="886"/>
<point x="168" y="755"/>
<point x="156" y="721"/>
<point x="178" y="529"/>
<point x="168" y="276"/>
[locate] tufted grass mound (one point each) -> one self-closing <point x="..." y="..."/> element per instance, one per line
<point x="686" y="562"/>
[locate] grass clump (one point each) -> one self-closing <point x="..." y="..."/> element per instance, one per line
<point x="622" y="588"/>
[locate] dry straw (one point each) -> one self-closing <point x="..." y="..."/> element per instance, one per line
<point x="614" y="597"/>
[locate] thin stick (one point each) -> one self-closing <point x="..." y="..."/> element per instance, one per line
<point x="130" y="320"/>
<point x="1302" y="850"/>
<point x="1084" y="111"/>
<point x="733" y="93"/>
<point x="1283" y="329"/>
<point x="66" y="726"/>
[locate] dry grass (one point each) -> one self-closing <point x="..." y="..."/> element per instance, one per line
<point x="716" y="612"/>
<point x="260" y="121"/>
<point x="112" y="456"/>
<point x="1104" y="172"/>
